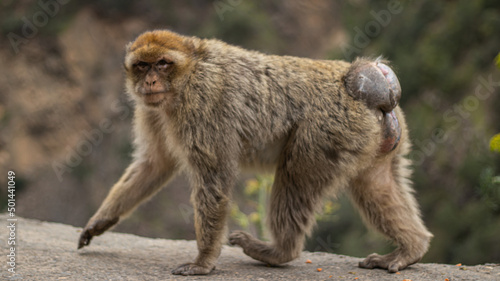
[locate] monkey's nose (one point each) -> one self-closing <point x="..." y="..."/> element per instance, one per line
<point x="150" y="83"/>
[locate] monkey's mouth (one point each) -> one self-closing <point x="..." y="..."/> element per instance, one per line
<point x="154" y="98"/>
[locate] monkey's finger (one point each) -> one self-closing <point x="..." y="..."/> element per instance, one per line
<point x="96" y="228"/>
<point x="84" y="240"/>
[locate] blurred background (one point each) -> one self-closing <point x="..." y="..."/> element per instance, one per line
<point x="65" y="120"/>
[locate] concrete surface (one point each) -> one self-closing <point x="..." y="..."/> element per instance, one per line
<point x="47" y="251"/>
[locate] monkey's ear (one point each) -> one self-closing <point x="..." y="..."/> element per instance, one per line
<point x="127" y="47"/>
<point x="129" y="60"/>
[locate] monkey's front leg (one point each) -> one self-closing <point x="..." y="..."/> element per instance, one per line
<point x="139" y="182"/>
<point x="210" y="200"/>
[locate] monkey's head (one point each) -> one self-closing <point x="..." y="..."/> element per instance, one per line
<point x="155" y="64"/>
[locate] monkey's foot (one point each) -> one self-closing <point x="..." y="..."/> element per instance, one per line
<point x="251" y="246"/>
<point x="93" y="229"/>
<point x="240" y="238"/>
<point x="393" y="262"/>
<point x="192" y="269"/>
<point x="375" y="83"/>
<point x="262" y="251"/>
<point x="391" y="132"/>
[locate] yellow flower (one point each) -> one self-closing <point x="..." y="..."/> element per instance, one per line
<point x="495" y="143"/>
<point x="252" y="187"/>
<point x="254" y="217"/>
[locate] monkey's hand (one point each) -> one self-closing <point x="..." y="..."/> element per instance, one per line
<point x="95" y="228"/>
<point x="192" y="269"/>
<point x="377" y="85"/>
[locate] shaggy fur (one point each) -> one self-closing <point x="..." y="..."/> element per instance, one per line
<point x="209" y="109"/>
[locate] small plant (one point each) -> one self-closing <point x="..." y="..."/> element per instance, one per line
<point x="257" y="191"/>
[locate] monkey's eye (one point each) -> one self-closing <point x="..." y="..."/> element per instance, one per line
<point x="142" y="66"/>
<point x="163" y="64"/>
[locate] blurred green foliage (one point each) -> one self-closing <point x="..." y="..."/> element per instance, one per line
<point x="247" y="25"/>
<point x="257" y="192"/>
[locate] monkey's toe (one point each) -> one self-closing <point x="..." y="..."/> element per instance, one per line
<point x="192" y="269"/>
<point x="374" y="82"/>
<point x="239" y="238"/>
<point x="392" y="262"/>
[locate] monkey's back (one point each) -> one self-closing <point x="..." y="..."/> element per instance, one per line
<point x="265" y="98"/>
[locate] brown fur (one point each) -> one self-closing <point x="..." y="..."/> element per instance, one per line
<point x="218" y="108"/>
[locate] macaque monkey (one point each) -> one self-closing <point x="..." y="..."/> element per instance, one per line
<point x="209" y="109"/>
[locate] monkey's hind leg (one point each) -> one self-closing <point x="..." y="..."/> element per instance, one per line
<point x="384" y="197"/>
<point x="291" y="217"/>
<point x="296" y="196"/>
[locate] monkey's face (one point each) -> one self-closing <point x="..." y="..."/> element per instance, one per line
<point x="151" y="80"/>
<point x="153" y="63"/>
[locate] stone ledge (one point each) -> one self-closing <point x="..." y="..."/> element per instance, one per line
<point x="47" y="251"/>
